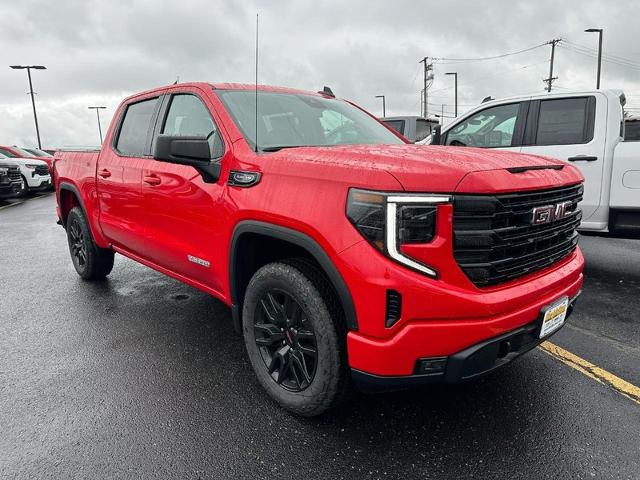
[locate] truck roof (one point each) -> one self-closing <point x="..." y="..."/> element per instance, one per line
<point x="229" y="86"/>
<point x="610" y="93"/>
<point x="563" y="94"/>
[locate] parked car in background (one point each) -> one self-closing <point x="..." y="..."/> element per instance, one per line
<point x="331" y="239"/>
<point x="413" y="128"/>
<point x="37" y="152"/>
<point x="34" y="174"/>
<point x="582" y="128"/>
<point x="10" y="178"/>
<point x="17" y="152"/>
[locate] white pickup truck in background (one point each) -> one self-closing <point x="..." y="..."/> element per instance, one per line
<point x="413" y="128"/>
<point x="584" y="128"/>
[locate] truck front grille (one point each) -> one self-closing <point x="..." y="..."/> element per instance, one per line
<point x="14" y="175"/>
<point x="495" y="240"/>
<point x="41" y="170"/>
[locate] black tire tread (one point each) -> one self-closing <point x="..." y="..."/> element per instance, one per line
<point x="99" y="260"/>
<point x="309" y="269"/>
<point x="311" y="279"/>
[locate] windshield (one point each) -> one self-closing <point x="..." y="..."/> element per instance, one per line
<point x="36" y="152"/>
<point x="299" y="120"/>
<point x="21" y="152"/>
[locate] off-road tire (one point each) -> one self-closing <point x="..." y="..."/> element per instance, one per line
<point x="94" y="263"/>
<point x="305" y="284"/>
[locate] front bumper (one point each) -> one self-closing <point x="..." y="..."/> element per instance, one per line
<point x="440" y="317"/>
<point x="10" y="189"/>
<point x="468" y="364"/>
<point x="39" y="182"/>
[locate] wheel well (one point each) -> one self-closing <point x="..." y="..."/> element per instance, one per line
<point x="251" y="251"/>
<point x="68" y="200"/>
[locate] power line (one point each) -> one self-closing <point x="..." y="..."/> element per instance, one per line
<point x="619" y="61"/>
<point x="481" y="59"/>
<point x="604" y="54"/>
<point x="497" y="74"/>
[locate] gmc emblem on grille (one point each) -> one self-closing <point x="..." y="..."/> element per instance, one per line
<point x="551" y="213"/>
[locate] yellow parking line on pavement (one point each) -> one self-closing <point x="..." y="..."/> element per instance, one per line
<point x="592" y="371"/>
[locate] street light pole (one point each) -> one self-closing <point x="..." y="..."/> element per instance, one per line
<point x="97" y="109"/>
<point x="599" y="31"/>
<point x="384" y="108"/>
<point x="33" y="101"/>
<point x="455" y="76"/>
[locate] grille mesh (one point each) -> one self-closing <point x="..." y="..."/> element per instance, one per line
<point x="494" y="240"/>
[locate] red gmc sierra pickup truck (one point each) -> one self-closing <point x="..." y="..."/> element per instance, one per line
<point x="347" y="255"/>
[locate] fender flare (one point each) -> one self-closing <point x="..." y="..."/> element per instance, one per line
<point x="301" y="240"/>
<point x="97" y="235"/>
<point x="73" y="189"/>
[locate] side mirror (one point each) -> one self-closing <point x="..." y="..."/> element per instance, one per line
<point x="436" y="135"/>
<point x="183" y="150"/>
<point x="186" y="150"/>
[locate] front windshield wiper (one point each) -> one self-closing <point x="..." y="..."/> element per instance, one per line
<point x="275" y="148"/>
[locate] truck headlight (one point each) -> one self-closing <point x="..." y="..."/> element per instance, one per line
<point x="389" y="220"/>
<point x="4" y="171"/>
<point x="31" y="166"/>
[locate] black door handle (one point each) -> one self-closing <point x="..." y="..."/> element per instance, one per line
<point x="583" y="158"/>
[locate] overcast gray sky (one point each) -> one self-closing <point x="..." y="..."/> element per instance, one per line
<point x="97" y="52"/>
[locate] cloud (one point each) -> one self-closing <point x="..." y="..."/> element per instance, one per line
<point x="97" y="52"/>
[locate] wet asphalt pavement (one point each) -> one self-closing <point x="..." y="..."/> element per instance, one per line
<point x="141" y="376"/>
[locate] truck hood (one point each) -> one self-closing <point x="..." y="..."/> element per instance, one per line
<point x="426" y="168"/>
<point x="22" y="161"/>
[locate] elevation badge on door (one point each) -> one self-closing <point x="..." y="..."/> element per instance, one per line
<point x="199" y="261"/>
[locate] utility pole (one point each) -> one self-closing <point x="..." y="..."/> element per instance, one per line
<point x="384" y="108"/>
<point x="97" y="109"/>
<point x="551" y="78"/>
<point x="33" y="102"/>
<point x="455" y="75"/>
<point x="428" y="78"/>
<point x="599" y="31"/>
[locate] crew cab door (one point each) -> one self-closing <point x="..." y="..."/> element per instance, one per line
<point x="566" y="129"/>
<point x="119" y="172"/>
<point x="185" y="215"/>
<point x="497" y="126"/>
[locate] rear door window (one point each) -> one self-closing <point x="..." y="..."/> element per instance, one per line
<point x="566" y="121"/>
<point x="135" y="128"/>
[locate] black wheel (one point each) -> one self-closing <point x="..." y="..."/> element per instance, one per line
<point x="294" y="336"/>
<point x="24" y="187"/>
<point x="90" y="261"/>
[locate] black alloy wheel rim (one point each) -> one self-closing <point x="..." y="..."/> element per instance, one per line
<point x="286" y="340"/>
<point x="77" y="244"/>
